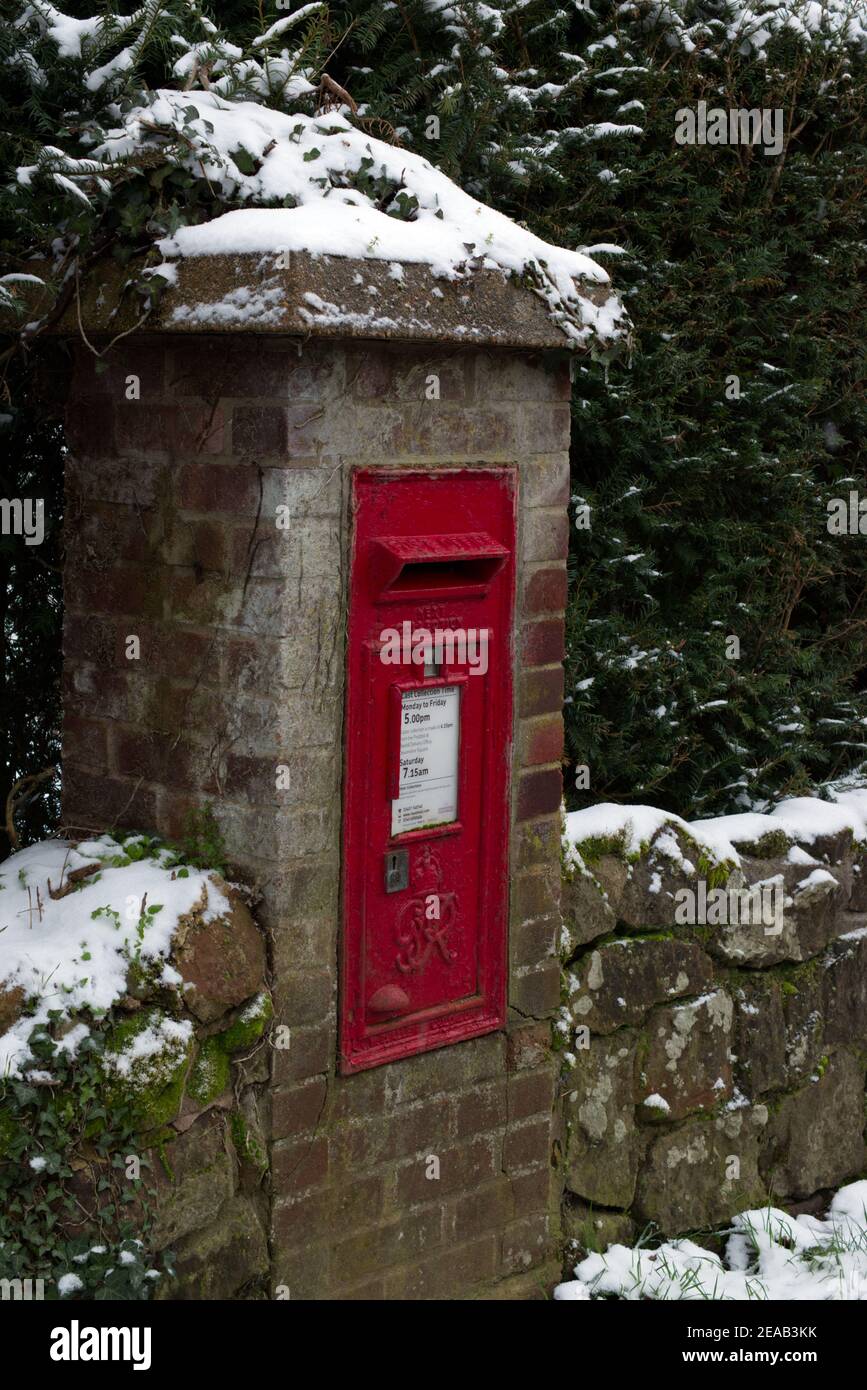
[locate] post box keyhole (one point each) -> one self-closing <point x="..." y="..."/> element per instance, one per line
<point x="396" y="870"/>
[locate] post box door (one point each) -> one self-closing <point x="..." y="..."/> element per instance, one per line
<point x="428" y="734"/>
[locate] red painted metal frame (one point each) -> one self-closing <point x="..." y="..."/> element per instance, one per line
<point x="452" y="976"/>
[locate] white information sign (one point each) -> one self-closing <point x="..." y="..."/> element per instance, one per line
<point x="429" y="728"/>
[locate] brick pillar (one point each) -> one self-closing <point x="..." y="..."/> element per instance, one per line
<point x="173" y="540"/>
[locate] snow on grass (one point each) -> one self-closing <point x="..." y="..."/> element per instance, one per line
<point x="319" y="185"/>
<point x="71" y="954"/>
<point x="768" y="1255"/>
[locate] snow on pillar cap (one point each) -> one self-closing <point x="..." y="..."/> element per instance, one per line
<point x="319" y="228"/>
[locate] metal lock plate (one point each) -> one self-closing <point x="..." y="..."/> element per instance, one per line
<point x="396" y="870"/>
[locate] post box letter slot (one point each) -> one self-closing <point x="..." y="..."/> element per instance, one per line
<point x="410" y="567"/>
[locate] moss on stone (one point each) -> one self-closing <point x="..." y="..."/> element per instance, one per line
<point x="153" y="1085"/>
<point x="209" y="1076"/>
<point x="715" y="874"/>
<point x="247" y="1146"/>
<point x="250" y="1024"/>
<point x="595" y="847"/>
<point x="774" y="844"/>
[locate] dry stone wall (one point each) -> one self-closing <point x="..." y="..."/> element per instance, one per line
<point x="710" y="1064"/>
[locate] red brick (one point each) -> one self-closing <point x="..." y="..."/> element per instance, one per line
<point x="175" y="809"/>
<point x="451" y="1274"/>
<point x="528" y="1144"/>
<point x="298" y="1108"/>
<point x="162" y="757"/>
<point x="539" y="793"/>
<point x="536" y="993"/>
<point x="310" y="1051"/>
<point x="533" y="943"/>
<point x="168" y="650"/>
<point x="303" y="1272"/>
<point x="358" y="1202"/>
<point x="251" y="368"/>
<point x="97" y="694"/>
<point x="263" y="553"/>
<point x="541" y="692"/>
<point x="85" y="742"/>
<point x="528" y="1047"/>
<point x="422" y="1129"/>
<point x="105" y="534"/>
<point x="358" y="1097"/>
<point x="107" y="376"/>
<point x="100" y="803"/>
<point x="173" y="430"/>
<point x="166" y="705"/>
<point x="531" y="1191"/>
<point x="526" y="1243"/>
<point x="127" y="482"/>
<point x="298" y="1166"/>
<point x="88" y="639"/>
<point x="487" y="1208"/>
<point x="532" y="1093"/>
<point x="388" y="1244"/>
<point x="253" y="780"/>
<point x="294" y="1220"/>
<point x="260" y="430"/>
<point x="89" y="429"/>
<point x="123" y="590"/>
<point x="479" y="1110"/>
<point x="542" y="741"/>
<point x="462" y="1167"/>
<point x="200" y="545"/>
<point x="543" y="642"/>
<point x="545" y="591"/>
<point x="233" y="488"/>
<point x="251" y="662"/>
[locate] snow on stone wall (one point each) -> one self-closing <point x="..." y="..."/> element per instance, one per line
<point x="715" y="978"/>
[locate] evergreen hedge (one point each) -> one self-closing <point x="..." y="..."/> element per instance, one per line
<point x="716" y="626"/>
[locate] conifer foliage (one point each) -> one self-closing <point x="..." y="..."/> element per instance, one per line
<point x="717" y="617"/>
<point x="717" y="631"/>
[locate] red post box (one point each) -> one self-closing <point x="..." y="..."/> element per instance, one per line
<point x="429" y="725"/>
